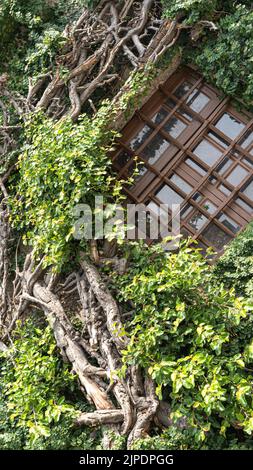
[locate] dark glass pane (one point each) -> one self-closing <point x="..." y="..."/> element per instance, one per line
<point x="228" y="222"/>
<point x="122" y="159"/>
<point x="155" y="149"/>
<point x="230" y="126"/>
<point x="142" y="169"/>
<point x="170" y="103"/>
<point x="224" y="166"/>
<point x="216" y="237"/>
<point x="186" y="211"/>
<point x="246" y="140"/>
<point x="160" y="116"/>
<point x="219" y="140"/>
<point x="168" y="196"/>
<point x="248" y="190"/>
<point x="235" y="154"/>
<point x="201" y="247"/>
<point x="186" y="115"/>
<point x="181" y="183"/>
<point x="197" y="101"/>
<point x="212" y="180"/>
<point x="248" y="161"/>
<point x="185" y="232"/>
<point x="195" y="166"/>
<point x="182" y="89"/>
<point x="244" y="205"/>
<point x="237" y="175"/>
<point x="197" y="220"/>
<point x="174" y="127"/>
<point x="207" y="152"/>
<point x="141" y="172"/>
<point x="197" y="197"/>
<point x="142" y="135"/>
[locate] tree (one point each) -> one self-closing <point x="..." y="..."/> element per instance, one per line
<point x="55" y="141"/>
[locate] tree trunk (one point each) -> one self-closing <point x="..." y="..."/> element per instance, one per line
<point x="130" y="30"/>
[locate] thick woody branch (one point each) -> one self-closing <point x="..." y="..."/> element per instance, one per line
<point x="107" y="302"/>
<point x="98" y="418"/>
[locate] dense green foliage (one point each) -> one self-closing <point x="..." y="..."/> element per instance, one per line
<point x="62" y="165"/>
<point x="31" y="32"/>
<point x="191" y="332"/>
<point x="194" y="337"/>
<point x="233" y="47"/>
<point x="193" y="9"/>
<point x="235" y="267"/>
<point x="223" y="56"/>
<point x="176" y="438"/>
<point x="36" y="410"/>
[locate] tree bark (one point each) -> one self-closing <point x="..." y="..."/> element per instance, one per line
<point x="116" y="30"/>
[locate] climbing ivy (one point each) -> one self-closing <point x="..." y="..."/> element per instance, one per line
<point x="39" y="397"/>
<point x="193" y="336"/>
<point x="226" y="57"/>
<point x="31" y="32"/>
<point x="192" y="9"/>
<point x="235" y="267"/>
<point x="33" y="381"/>
<point x="63" y="164"/>
<point x="223" y="48"/>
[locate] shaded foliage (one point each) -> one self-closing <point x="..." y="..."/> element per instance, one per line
<point x="31" y="32"/>
<point x="224" y="55"/>
<point x="235" y="267"/>
<point x="226" y="58"/>
<point x="191" y="333"/>
<point x="192" y="9"/>
<point x="36" y="410"/>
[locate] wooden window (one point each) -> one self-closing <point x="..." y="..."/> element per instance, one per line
<point x="196" y="150"/>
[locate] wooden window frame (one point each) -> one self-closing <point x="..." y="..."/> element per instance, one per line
<point x="182" y="147"/>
